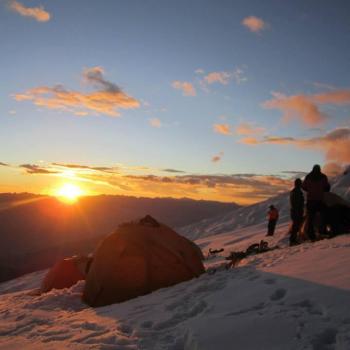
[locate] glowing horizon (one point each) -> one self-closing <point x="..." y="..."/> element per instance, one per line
<point x="220" y="101"/>
<point x="68" y="193"/>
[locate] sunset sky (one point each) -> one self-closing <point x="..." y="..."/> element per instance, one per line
<point x="225" y="100"/>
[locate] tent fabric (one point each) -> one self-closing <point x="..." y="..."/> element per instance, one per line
<point x="63" y="274"/>
<point x="332" y="199"/>
<point x="138" y="259"/>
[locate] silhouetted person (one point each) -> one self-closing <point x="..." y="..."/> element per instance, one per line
<point x="296" y="200"/>
<point x="315" y="184"/>
<point x="272" y="216"/>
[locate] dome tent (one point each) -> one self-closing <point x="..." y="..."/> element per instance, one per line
<point x="137" y="259"/>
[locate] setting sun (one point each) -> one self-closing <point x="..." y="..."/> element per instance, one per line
<point x="69" y="193"/>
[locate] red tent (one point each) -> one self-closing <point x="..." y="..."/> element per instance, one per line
<point x="63" y="274"/>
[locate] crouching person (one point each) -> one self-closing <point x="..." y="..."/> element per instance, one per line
<point x="337" y="214"/>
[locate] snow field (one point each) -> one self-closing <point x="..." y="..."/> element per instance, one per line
<point x="289" y="298"/>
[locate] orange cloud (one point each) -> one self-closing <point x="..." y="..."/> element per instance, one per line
<point x="337" y="97"/>
<point x="107" y="100"/>
<point x="218" y="77"/>
<point x="38" y="13"/>
<point x="254" y="24"/>
<point x="155" y="122"/>
<point x="186" y="87"/>
<point x="248" y="129"/>
<point x="335" y="144"/>
<point x="223" y="129"/>
<point x="306" y="107"/>
<point x="298" y="107"/>
<point x="249" y="141"/>
<point x="332" y="169"/>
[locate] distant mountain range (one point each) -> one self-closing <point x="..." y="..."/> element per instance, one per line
<point x="35" y="230"/>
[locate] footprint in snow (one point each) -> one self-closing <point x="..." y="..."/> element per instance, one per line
<point x="125" y="328"/>
<point x="147" y="324"/>
<point x="309" y="307"/>
<point x="278" y="294"/>
<point x="325" y="340"/>
<point x="253" y="278"/>
<point x="189" y="311"/>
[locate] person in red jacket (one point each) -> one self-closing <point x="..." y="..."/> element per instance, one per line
<point x="315" y="184"/>
<point x="272" y="216"/>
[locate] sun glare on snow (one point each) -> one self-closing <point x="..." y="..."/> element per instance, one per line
<point x="69" y="193"/>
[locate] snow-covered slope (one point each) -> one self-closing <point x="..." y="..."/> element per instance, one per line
<point x="289" y="298"/>
<point x="256" y="214"/>
<point x="239" y="218"/>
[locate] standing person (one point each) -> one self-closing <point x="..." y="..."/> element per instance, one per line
<point x="315" y="184"/>
<point x="272" y="216"/>
<point x="296" y="200"/>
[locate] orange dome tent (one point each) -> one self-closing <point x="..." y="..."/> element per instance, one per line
<point x="137" y="259"/>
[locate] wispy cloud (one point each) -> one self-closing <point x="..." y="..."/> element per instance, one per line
<point x="223" y="129"/>
<point x="186" y="87"/>
<point x="249" y="141"/>
<point x="199" y="71"/>
<point x="107" y="100"/>
<point x="243" y="188"/>
<point x="294" y="173"/>
<point x="323" y="86"/>
<point x="254" y="24"/>
<point x="84" y="167"/>
<point x="36" y="169"/>
<point x="298" y="107"/>
<point x="335" y="144"/>
<point x="306" y="108"/>
<point x="224" y="77"/>
<point x="173" y="171"/>
<point x="247" y="129"/>
<point x="38" y="13"/>
<point x="155" y="122"/>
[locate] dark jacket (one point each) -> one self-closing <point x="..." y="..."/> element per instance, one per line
<point x="315" y="184"/>
<point x="272" y="214"/>
<point x="296" y="200"/>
